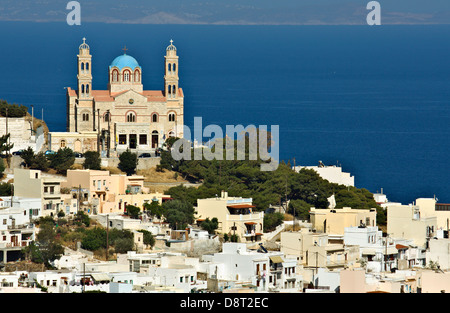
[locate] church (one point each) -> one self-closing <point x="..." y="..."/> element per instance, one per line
<point x="124" y="116"/>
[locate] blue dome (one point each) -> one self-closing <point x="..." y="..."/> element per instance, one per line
<point x="125" y="61"/>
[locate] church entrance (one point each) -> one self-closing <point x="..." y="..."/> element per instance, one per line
<point x="133" y="141"/>
<point x="154" y="139"/>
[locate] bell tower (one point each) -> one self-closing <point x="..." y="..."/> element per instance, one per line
<point x="171" y="72"/>
<point x="84" y="72"/>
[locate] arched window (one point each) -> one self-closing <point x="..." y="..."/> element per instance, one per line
<point x="169" y="66"/>
<point x="170" y="89"/>
<point x="85" y="117"/>
<point x="82" y="89"/>
<point x="115" y="76"/>
<point x="62" y="143"/>
<point x="87" y="66"/>
<point x="87" y="89"/>
<point x="172" y="117"/>
<point x="174" y="67"/>
<point x="106" y="117"/>
<point x="155" y="118"/>
<point x="82" y="66"/>
<point x="136" y="76"/>
<point x="126" y="76"/>
<point x="131" y="117"/>
<point x="174" y="91"/>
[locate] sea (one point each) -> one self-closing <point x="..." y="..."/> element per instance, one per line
<point x="372" y="99"/>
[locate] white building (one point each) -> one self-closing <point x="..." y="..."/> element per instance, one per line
<point x="264" y="270"/>
<point x="373" y="247"/>
<point x="333" y="174"/>
<point x="16" y="227"/>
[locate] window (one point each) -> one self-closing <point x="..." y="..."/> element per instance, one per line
<point x="82" y="66"/>
<point x="154" y="118"/>
<point x="122" y="139"/>
<point x="131" y="117"/>
<point x="85" y="117"/>
<point x="174" y="68"/>
<point x="114" y="76"/>
<point x="170" y="67"/>
<point x="172" y="117"/>
<point x="63" y="143"/>
<point x="136" y="76"/>
<point x="126" y="76"/>
<point x="45" y="189"/>
<point x="106" y="117"/>
<point x="87" y="66"/>
<point x="143" y="139"/>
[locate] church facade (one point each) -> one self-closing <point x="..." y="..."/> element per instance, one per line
<point x="124" y="115"/>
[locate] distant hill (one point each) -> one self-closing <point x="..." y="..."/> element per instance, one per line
<point x="230" y="12"/>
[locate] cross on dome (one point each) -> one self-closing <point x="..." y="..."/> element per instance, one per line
<point x="125" y="50"/>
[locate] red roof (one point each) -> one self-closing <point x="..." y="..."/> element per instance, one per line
<point x="401" y="247"/>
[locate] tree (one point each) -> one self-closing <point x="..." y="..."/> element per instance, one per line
<point x="272" y="220"/>
<point x="40" y="162"/>
<point x="178" y="213"/>
<point x="5" y="189"/>
<point x="46" y="248"/>
<point x="82" y="218"/>
<point x="28" y="156"/>
<point x="128" y="162"/>
<point x="149" y="239"/>
<point x="153" y="209"/>
<point x="210" y="225"/>
<point x="94" y="239"/>
<point x="133" y="211"/>
<point x="62" y="160"/>
<point x="4" y="145"/>
<point x="92" y="160"/>
<point x="123" y="245"/>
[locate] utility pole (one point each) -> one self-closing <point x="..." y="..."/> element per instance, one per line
<point x="109" y="134"/>
<point x="107" y="239"/>
<point x="32" y="119"/>
<point x="98" y="131"/>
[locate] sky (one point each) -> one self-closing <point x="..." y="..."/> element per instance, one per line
<point x="230" y="12"/>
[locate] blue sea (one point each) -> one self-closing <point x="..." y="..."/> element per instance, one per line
<point x="375" y="100"/>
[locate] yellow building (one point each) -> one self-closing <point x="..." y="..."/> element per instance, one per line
<point x="109" y="193"/>
<point x="124" y="116"/>
<point x="334" y="221"/>
<point x="408" y="221"/>
<point x="235" y="216"/>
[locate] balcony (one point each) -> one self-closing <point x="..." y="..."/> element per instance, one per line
<point x="18" y="244"/>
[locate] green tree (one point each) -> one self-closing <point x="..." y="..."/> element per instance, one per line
<point x="210" y="225"/>
<point x="133" y="211"/>
<point x="5" y="146"/>
<point x="123" y="245"/>
<point x="128" y="162"/>
<point x="92" y="160"/>
<point x="178" y="213"/>
<point x="149" y="239"/>
<point x="47" y="248"/>
<point x="94" y="239"/>
<point x="300" y="208"/>
<point x="62" y="160"/>
<point x="6" y="189"/>
<point x="272" y="220"/>
<point x="153" y="209"/>
<point x="28" y="156"/>
<point x="40" y="162"/>
<point x="82" y="218"/>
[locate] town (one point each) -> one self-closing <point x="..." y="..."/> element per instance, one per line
<point x="103" y="207"/>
